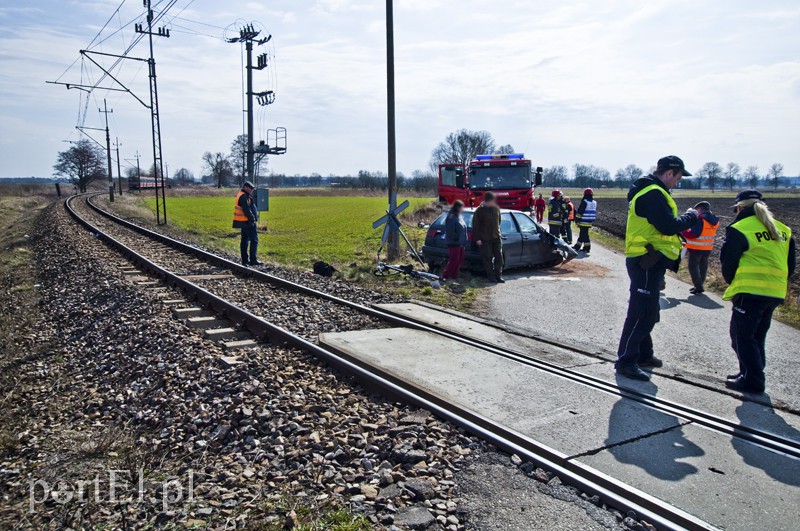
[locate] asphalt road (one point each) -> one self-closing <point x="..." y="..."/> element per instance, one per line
<point x="584" y="302"/>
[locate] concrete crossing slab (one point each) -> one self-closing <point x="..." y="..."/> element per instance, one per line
<point x="570" y="417"/>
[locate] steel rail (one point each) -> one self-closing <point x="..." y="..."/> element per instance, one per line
<point x="755" y="436"/>
<point x="610" y="490"/>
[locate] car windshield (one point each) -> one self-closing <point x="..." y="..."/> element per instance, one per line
<point x="500" y="177"/>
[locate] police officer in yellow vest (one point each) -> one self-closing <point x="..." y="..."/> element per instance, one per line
<point x="652" y="245"/>
<point x="245" y="217"/>
<point x="758" y="257"/>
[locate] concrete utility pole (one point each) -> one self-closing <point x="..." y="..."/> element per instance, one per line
<point x="247" y="35"/>
<point x="393" y="244"/>
<point x="106" y="112"/>
<point x="155" y="120"/>
<point x="119" y="170"/>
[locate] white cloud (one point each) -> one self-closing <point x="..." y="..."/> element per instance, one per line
<point x="605" y="83"/>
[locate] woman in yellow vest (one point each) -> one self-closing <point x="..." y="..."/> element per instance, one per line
<point x="758" y="257"/>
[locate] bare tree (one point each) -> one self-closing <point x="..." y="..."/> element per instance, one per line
<point x="554" y="176"/>
<point x="461" y="147"/>
<point x="775" y="175"/>
<point x="505" y="150"/>
<point x="83" y="163"/>
<point x="183" y="176"/>
<point x="219" y="168"/>
<point x="238" y="157"/>
<point x="627" y="175"/>
<point x="732" y="172"/>
<point x="751" y="176"/>
<point x="711" y="172"/>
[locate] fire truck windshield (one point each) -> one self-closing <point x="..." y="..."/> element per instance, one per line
<point x="500" y="177"/>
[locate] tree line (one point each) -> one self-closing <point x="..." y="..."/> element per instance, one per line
<point x="84" y="162"/>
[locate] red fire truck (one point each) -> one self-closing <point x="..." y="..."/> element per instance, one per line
<point x="510" y="176"/>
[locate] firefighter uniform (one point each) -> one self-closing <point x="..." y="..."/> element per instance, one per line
<point x="569" y="216"/>
<point x="245" y="217"/>
<point x="652" y="245"/>
<point x="585" y="218"/>
<point x="555" y="214"/>
<point x="757" y="267"/>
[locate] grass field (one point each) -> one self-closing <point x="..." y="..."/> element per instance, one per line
<point x="296" y="230"/>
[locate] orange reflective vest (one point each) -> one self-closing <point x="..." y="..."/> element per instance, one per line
<point x="704" y="242"/>
<point x="238" y="212"/>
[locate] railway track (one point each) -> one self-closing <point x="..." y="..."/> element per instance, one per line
<point x="150" y="250"/>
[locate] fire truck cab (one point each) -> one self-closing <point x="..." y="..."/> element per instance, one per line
<point x="510" y="176"/>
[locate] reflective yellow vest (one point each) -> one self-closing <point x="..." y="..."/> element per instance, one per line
<point x="764" y="266"/>
<point x="640" y="232"/>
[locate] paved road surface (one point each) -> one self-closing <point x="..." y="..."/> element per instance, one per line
<point x="585" y="302"/>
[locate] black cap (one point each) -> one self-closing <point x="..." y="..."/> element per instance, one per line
<point x="248" y="183"/>
<point x="672" y="162"/>
<point x="748" y="194"/>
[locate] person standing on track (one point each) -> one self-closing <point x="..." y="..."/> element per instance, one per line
<point x="455" y="234"/>
<point x="245" y="217"/>
<point x="555" y="213"/>
<point x="699" y="244"/>
<point x="486" y="234"/>
<point x="652" y="245"/>
<point x="585" y="218"/>
<point x="540" y="205"/>
<point x="758" y="257"/>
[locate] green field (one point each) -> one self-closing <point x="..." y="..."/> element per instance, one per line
<point x="296" y="230"/>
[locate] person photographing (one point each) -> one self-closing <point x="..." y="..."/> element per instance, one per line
<point x="486" y="235"/>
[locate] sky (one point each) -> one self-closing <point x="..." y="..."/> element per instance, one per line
<point x="606" y="83"/>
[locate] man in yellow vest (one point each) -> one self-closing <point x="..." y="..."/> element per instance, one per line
<point x="699" y="244"/>
<point x="652" y="245"/>
<point x="758" y="257"/>
<point x="245" y="217"/>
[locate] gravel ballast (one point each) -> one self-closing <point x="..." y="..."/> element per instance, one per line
<point x="120" y="385"/>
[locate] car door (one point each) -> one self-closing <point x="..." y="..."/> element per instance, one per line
<point x="534" y="250"/>
<point x="512" y="240"/>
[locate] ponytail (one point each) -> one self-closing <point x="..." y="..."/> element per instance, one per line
<point x="764" y="216"/>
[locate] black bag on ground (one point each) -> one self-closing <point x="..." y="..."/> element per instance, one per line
<point x="324" y="269"/>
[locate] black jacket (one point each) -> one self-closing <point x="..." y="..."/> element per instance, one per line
<point x="736" y="244"/>
<point x="250" y="208"/>
<point x="654" y="207"/>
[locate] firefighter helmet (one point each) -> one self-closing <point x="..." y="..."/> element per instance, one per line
<point x="588" y="191"/>
<point x="556" y="193"/>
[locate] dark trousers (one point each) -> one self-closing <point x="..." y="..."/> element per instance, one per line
<point x="698" y="267"/>
<point x="454" y="262"/>
<point x="568" y="231"/>
<point x="750" y="321"/>
<point x="583" y="236"/>
<point x="249" y="238"/>
<point x="555" y="230"/>
<point x="644" y="311"/>
<point x="492" y="256"/>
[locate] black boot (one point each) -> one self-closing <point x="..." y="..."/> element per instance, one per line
<point x="587" y="248"/>
<point x="577" y="247"/>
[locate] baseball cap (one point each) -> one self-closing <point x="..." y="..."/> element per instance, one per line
<point x="248" y="183"/>
<point x="744" y="195"/>
<point x="671" y="162"/>
<point x="703" y="204"/>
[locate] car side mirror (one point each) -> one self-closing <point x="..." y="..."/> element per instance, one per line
<point x="459" y="178"/>
<point x="538" y="176"/>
